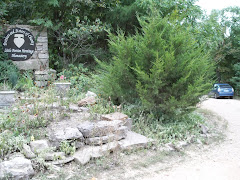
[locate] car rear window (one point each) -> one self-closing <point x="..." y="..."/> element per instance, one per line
<point x="225" y="86"/>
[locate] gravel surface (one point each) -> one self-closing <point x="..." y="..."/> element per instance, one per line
<point x="221" y="162"/>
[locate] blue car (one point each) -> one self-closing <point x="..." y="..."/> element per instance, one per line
<point x="222" y="90"/>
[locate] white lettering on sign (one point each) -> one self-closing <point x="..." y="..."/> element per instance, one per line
<point x="19" y="55"/>
<point x="27" y="51"/>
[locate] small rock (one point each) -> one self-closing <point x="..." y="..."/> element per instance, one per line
<point x="52" y="176"/>
<point x="87" y="101"/>
<point x="79" y="158"/>
<point x="64" y="161"/>
<point x="39" y="145"/>
<point x="74" y="107"/>
<point x="182" y="144"/>
<point x="134" y="140"/>
<point x="79" y="144"/>
<point x="204" y="129"/>
<point x="101" y="128"/>
<point x="28" y="152"/>
<point x="114" y="116"/>
<point x="91" y="94"/>
<point x="100" y="140"/>
<point x="84" y="109"/>
<point x="84" y="155"/>
<point x="16" y="168"/>
<point x="61" y="134"/>
<point x="54" y="156"/>
<point x="128" y="123"/>
<point x="120" y="133"/>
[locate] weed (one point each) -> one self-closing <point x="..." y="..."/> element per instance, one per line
<point x="68" y="147"/>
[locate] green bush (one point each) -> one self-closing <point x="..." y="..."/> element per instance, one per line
<point x="236" y="79"/>
<point x="25" y="81"/>
<point x="10" y="143"/>
<point x="9" y="73"/>
<point x="163" y="67"/>
<point x="79" y="76"/>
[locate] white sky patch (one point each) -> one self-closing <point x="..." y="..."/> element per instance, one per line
<point x="209" y="5"/>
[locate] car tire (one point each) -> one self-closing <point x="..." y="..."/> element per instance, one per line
<point x="231" y="97"/>
<point x="215" y="96"/>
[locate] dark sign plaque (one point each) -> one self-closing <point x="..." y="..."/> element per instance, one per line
<point x="19" y="44"/>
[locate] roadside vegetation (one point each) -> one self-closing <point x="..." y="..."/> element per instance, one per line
<point x="153" y="59"/>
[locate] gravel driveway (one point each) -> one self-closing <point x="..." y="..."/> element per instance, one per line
<point x="222" y="162"/>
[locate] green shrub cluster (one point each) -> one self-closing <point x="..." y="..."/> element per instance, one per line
<point x="236" y="79"/>
<point x="9" y="73"/>
<point x="79" y="76"/>
<point x="163" y="67"/>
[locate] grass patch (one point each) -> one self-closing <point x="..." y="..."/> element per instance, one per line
<point x="182" y="128"/>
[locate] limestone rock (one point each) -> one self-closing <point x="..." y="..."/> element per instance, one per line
<point x="84" y="155"/>
<point x="61" y="134"/>
<point x="87" y="101"/>
<point x="101" y="128"/>
<point x="120" y="133"/>
<point x="204" y="129"/>
<point x="91" y="94"/>
<point x="39" y="145"/>
<point x="100" y="140"/>
<point x="74" y="107"/>
<point x="64" y="161"/>
<point x="134" y="140"/>
<point x="84" y="109"/>
<point x="54" y="156"/>
<point x="16" y="168"/>
<point x="28" y="152"/>
<point x="128" y="123"/>
<point x="114" y="116"/>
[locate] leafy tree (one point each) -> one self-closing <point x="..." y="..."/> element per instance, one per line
<point x="74" y="27"/>
<point x="163" y="67"/>
<point x="236" y="79"/>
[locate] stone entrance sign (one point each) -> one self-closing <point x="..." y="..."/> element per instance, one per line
<point x="19" y="44"/>
<point x="27" y="46"/>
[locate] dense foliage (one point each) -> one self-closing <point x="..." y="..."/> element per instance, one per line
<point x="163" y="62"/>
<point x="163" y="66"/>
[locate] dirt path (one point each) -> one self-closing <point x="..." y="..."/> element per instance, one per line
<point x="222" y="162"/>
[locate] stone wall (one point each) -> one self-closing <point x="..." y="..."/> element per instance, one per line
<point x="40" y="58"/>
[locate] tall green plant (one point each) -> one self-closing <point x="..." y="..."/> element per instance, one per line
<point x="163" y="67"/>
<point x="236" y="79"/>
<point x="9" y="73"/>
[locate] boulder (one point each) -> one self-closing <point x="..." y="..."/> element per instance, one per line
<point x="28" y="152"/>
<point x="133" y="141"/>
<point x="16" y="168"/>
<point x="87" y="101"/>
<point x="101" y="128"/>
<point x="61" y="134"/>
<point x="84" y="155"/>
<point x="39" y="145"/>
